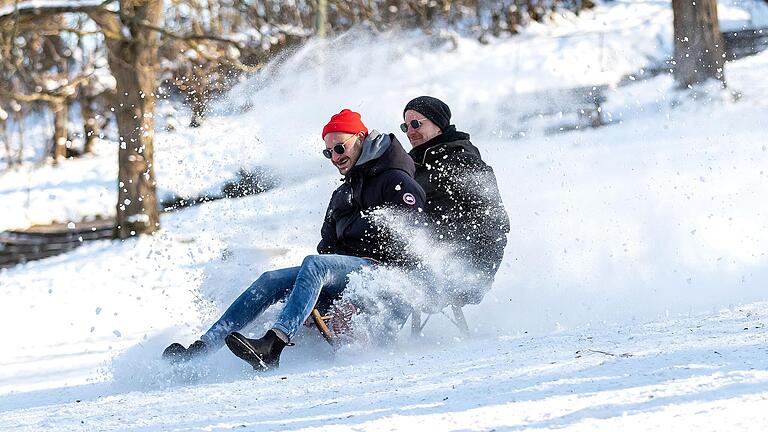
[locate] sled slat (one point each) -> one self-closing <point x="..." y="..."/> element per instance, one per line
<point x="320" y="323"/>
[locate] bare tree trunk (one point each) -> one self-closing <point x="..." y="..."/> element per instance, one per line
<point x="133" y="62"/>
<point x="514" y="16"/>
<point x="18" y="119"/>
<point x="4" y="136"/>
<point x="535" y="11"/>
<point x="216" y="23"/>
<point x="60" y="114"/>
<point x="699" y="52"/>
<point x="90" y="125"/>
<point x="496" y="23"/>
<point x="321" y="18"/>
<point x="236" y="19"/>
<point x="268" y="12"/>
<point x="479" y="14"/>
<point x="198" y="100"/>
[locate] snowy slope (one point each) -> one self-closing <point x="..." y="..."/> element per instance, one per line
<point x="646" y="238"/>
<point x="703" y="373"/>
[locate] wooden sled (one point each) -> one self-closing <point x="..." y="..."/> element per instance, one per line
<point x="323" y="315"/>
<point x="322" y="322"/>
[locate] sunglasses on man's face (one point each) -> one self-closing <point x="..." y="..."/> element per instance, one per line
<point x="415" y="124"/>
<point x="338" y="148"/>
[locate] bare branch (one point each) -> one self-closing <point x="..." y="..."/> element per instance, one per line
<point x="173" y="35"/>
<point x="234" y="62"/>
<point x="107" y="19"/>
<point x="109" y="23"/>
<point x="34" y="97"/>
<point x="78" y="32"/>
<point x="55" y="95"/>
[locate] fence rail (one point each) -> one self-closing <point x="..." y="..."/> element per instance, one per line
<point x="43" y="241"/>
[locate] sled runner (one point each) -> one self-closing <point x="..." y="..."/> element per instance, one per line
<point x="337" y="321"/>
<point x="458" y="320"/>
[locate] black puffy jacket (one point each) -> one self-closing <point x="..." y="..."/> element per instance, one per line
<point x="463" y="199"/>
<point x="381" y="177"/>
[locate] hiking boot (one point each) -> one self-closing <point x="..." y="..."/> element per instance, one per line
<point x="176" y="353"/>
<point x="262" y="353"/>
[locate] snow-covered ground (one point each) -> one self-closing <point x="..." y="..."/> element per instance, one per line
<point x="702" y="373"/>
<point x="633" y="294"/>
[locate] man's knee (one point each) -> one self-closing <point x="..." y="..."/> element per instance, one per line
<point x="313" y="261"/>
<point x="268" y="276"/>
<point x="268" y="279"/>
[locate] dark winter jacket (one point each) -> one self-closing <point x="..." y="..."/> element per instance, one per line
<point x="463" y="199"/>
<point x="382" y="177"/>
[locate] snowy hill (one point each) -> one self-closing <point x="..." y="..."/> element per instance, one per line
<point x="632" y="294"/>
<point x="698" y="373"/>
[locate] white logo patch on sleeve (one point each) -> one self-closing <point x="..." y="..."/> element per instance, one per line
<point x="409" y="199"/>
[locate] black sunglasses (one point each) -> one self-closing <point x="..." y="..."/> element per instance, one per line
<point x="338" y="148"/>
<point x="415" y="124"/>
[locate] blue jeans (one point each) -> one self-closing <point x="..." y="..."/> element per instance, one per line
<point x="300" y="287"/>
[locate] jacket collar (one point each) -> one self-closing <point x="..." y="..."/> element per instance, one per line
<point x="381" y="152"/>
<point x="438" y="144"/>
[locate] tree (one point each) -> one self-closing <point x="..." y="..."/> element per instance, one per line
<point x="43" y="73"/>
<point x="131" y="30"/>
<point x="699" y="51"/>
<point x="132" y="41"/>
<point x="131" y="34"/>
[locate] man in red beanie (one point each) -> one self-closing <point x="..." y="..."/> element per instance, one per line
<point x="341" y="125"/>
<point x="378" y="173"/>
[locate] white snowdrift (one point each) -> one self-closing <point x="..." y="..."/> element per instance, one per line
<point x="647" y="238"/>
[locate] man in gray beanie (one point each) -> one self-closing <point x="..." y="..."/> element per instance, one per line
<point x="463" y="200"/>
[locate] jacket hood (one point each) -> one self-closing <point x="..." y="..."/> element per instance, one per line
<point x="449" y="141"/>
<point x="382" y="152"/>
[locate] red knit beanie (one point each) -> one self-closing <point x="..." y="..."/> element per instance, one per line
<point x="346" y="121"/>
